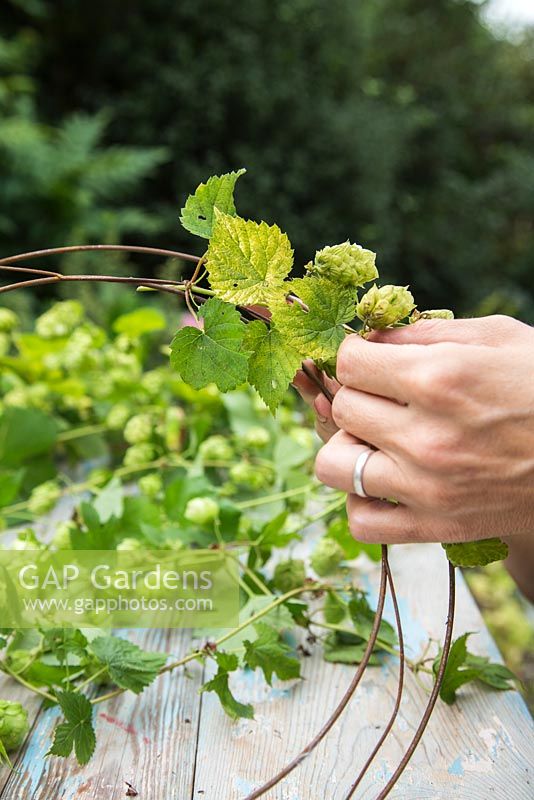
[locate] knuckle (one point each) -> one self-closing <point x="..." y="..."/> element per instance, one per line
<point x="345" y="359"/>
<point x="440" y="379"/>
<point x="437" y="450"/>
<point x="440" y="496"/>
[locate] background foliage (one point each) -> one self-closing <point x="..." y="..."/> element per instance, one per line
<point x="401" y="124"/>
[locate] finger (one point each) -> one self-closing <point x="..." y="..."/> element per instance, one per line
<point x="381" y="522"/>
<point x="335" y="462"/>
<point x="325" y="425"/>
<point x="378" y="368"/>
<point x="376" y="420"/>
<point x="482" y="331"/>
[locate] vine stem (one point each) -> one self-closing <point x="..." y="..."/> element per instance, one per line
<point x="400" y="687"/>
<point x="199" y="653"/>
<point x="331" y="721"/>
<point x="434" y="693"/>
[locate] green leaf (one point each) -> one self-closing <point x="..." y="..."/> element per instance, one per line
<point x="77" y="731"/>
<point x="334" y="608"/>
<point x="129" y="666"/>
<point x="217" y="192"/>
<point x="24" y="433"/>
<point x="215" y="354"/>
<point x="476" y="554"/>
<point x="247" y="261"/>
<point x="271" y="654"/>
<point x="109" y="502"/>
<point x="273" y="363"/>
<point x="142" y="320"/>
<point x="317" y="332"/>
<point x="219" y="684"/>
<point x="339" y="531"/>
<point x="362" y="616"/>
<point x="464" y="667"/>
<point x="338" y="651"/>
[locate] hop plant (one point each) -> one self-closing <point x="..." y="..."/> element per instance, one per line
<point x="326" y="557"/>
<point x="5" y="344"/>
<point x="129" y="545"/>
<point x="139" y="429"/>
<point x="8" y="320"/>
<point x="60" y="320"/>
<point x="289" y="574"/>
<point x="216" y="448"/>
<point x="44" y="497"/>
<point x="201" y="510"/>
<point x="349" y="265"/>
<point x="151" y="484"/>
<point x="139" y="454"/>
<point x="13" y="724"/>
<point x="384" y="306"/>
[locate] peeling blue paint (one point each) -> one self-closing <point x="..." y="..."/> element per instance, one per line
<point x="456" y="768"/>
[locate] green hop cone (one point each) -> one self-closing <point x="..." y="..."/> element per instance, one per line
<point x="289" y="575"/>
<point x="138" y="429"/>
<point x="326" y="557"/>
<point x="256" y="437"/>
<point x="13" y="724"/>
<point x="118" y="416"/>
<point x="151" y="485"/>
<point x="139" y="454"/>
<point x="216" y="448"/>
<point x="8" y="320"/>
<point x="384" y="306"/>
<point x="201" y="510"/>
<point x="250" y="476"/>
<point x="434" y="313"/>
<point x="60" y="320"/>
<point x="62" y="535"/>
<point x="346" y="264"/>
<point x="44" y="497"/>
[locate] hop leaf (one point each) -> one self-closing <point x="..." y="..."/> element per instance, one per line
<point x="271" y="654"/>
<point x="227" y="662"/>
<point x="247" y="261"/>
<point x="129" y="666"/>
<point x="476" y="554"/>
<point x="215" y="354"/>
<point x="317" y="332"/>
<point x="346" y="264"/>
<point x="217" y="192"/>
<point x="273" y="363"/>
<point x="384" y="306"/>
<point x="77" y="731"/>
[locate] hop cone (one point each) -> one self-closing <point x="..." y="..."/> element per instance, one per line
<point x="384" y="306"/>
<point x="347" y="264"/>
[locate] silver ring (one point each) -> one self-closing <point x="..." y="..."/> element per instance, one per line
<point x="359" y="467"/>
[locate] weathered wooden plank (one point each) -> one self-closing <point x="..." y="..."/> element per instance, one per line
<point x="481" y="748"/>
<point x="149" y="741"/>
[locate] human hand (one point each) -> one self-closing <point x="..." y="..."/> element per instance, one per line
<point x="449" y="405"/>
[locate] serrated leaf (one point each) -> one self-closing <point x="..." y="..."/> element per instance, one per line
<point x="247" y="261"/>
<point x="227" y="662"/>
<point x="337" y="651"/>
<point x="271" y="654"/>
<point x="476" y="554"/>
<point x="464" y="667"/>
<point x="214" y="354"/>
<point x="273" y="363"/>
<point x="77" y="731"/>
<point x="317" y="332"/>
<point x="217" y="192"/>
<point x="129" y="666"/>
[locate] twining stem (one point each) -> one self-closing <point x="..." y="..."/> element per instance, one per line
<point x="346" y="697"/>
<point x="434" y="693"/>
<point x="273" y="498"/>
<point x="79" y="433"/>
<point x="309" y="587"/>
<point x="26" y="684"/>
<point x="400" y="687"/>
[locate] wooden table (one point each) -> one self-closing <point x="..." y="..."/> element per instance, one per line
<point x="171" y="743"/>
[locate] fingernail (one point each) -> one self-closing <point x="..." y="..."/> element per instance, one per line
<point x="322" y="420"/>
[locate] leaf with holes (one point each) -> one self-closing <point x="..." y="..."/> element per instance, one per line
<point x="217" y="192"/>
